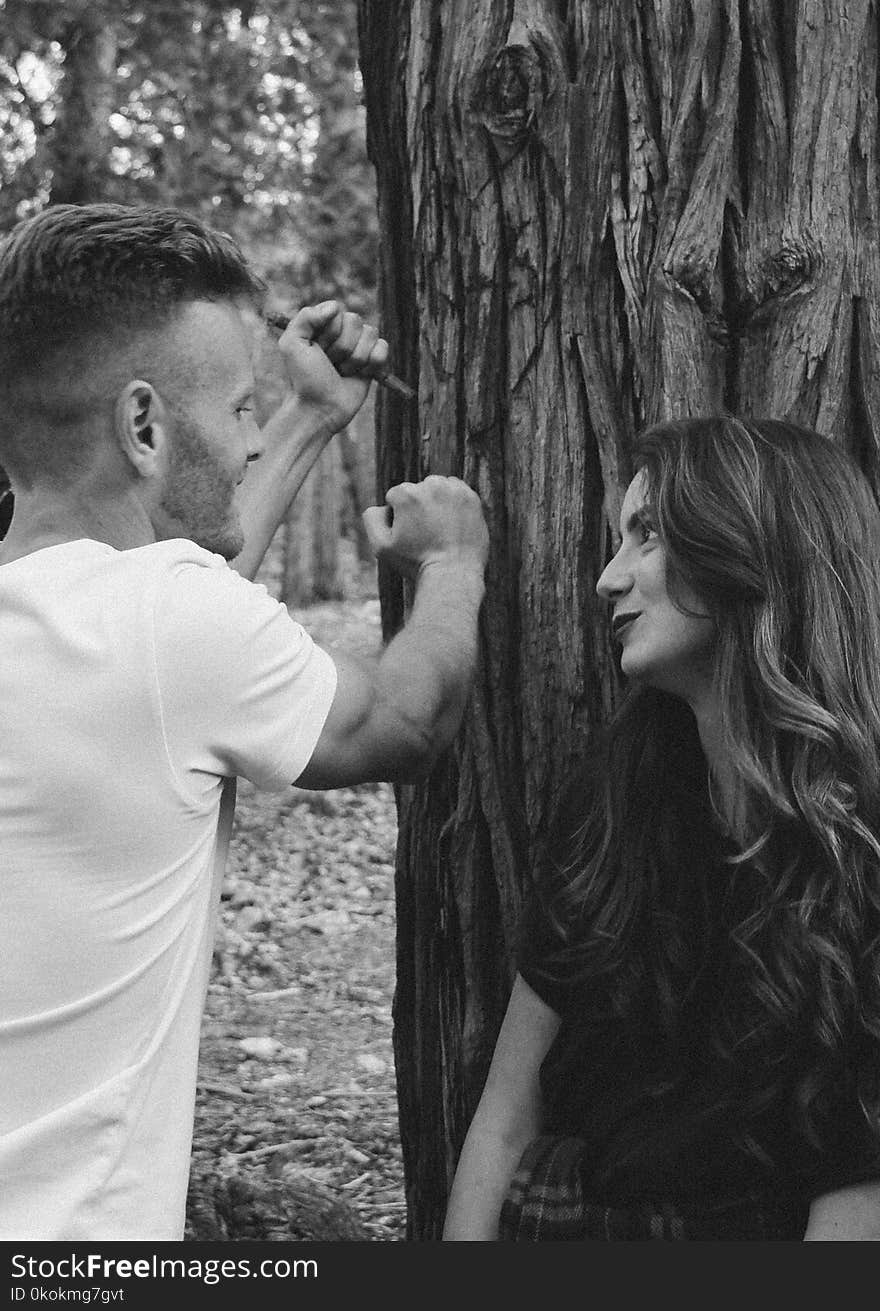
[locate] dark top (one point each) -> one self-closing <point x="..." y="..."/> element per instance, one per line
<point x="642" y="1100"/>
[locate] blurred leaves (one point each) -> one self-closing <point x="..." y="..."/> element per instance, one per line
<point x="247" y="114"/>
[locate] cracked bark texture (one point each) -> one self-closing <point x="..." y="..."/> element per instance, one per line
<point x="594" y="214"/>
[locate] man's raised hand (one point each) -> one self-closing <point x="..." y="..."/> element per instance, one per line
<point x="331" y="356"/>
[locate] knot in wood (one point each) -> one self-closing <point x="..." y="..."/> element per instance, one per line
<point x="516" y="84"/>
<point x="790" y="266"/>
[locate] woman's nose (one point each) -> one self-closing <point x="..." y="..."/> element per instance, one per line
<point x="615" y="579"/>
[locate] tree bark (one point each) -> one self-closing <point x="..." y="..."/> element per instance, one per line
<point x="593" y="216"/>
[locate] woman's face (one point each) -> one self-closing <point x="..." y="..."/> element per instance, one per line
<point x="665" y="644"/>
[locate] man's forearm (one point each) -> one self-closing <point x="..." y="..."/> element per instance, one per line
<point x="427" y="670"/>
<point x="294" y="436"/>
<point x="392" y="716"/>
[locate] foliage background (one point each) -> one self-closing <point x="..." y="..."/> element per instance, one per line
<point x="249" y="115"/>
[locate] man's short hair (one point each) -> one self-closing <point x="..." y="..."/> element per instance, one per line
<point x="76" y="272"/>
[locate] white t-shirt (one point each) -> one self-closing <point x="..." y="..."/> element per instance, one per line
<point x="132" y="684"/>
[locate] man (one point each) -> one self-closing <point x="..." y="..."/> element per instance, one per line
<point x="141" y="675"/>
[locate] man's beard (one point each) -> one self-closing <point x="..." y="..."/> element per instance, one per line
<point x="200" y="496"/>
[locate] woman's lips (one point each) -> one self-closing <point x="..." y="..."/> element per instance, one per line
<point x="622" y="622"/>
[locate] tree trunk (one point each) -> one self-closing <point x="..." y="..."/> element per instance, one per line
<point x="310" y="570"/>
<point x="327" y="475"/>
<point x="643" y="209"/>
<point x="79" y="152"/>
<point x="359" y="480"/>
<point x="297" y="564"/>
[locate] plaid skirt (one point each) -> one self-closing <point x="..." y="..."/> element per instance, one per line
<point x="546" y="1202"/>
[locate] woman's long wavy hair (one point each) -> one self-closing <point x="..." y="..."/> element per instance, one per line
<point x="778" y="532"/>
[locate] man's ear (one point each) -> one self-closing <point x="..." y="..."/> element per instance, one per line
<point x="142" y="427"/>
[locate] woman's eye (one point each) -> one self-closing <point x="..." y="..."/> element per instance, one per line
<point x="244" y="409"/>
<point x="646" y="530"/>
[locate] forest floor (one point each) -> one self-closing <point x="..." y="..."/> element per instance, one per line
<point x="296" y="1076"/>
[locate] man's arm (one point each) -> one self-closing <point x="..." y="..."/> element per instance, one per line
<point x="391" y="719"/>
<point x="329" y="356"/>
<point x="294" y="437"/>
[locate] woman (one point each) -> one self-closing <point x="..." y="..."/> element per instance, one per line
<point x="692" y="1043"/>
